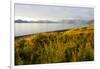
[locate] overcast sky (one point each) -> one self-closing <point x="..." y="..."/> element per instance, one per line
<point x="41" y="12"/>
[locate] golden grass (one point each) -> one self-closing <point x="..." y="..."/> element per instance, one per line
<point x="76" y="44"/>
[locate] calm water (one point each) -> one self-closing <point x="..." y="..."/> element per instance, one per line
<point x="31" y="28"/>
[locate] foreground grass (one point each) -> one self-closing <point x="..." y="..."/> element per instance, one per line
<point x="55" y="47"/>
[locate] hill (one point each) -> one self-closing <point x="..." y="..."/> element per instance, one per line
<point x="71" y="45"/>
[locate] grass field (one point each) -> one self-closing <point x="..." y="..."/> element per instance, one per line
<point x="76" y="44"/>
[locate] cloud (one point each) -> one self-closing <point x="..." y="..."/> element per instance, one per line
<point x="38" y="12"/>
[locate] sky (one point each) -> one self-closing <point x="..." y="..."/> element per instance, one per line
<point x="43" y="12"/>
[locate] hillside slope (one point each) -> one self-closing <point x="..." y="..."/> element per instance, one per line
<point x="75" y="44"/>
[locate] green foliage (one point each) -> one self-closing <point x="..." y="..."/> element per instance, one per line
<point x="54" y="47"/>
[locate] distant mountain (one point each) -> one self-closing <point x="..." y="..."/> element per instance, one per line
<point x="91" y="22"/>
<point x="73" y="22"/>
<point x="40" y="21"/>
<point x="22" y="21"/>
<point x="77" y="21"/>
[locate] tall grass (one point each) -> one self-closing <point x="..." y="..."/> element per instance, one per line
<point x="55" y="47"/>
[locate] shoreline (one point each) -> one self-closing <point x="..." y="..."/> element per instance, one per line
<point x="41" y="32"/>
<point x="50" y="31"/>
